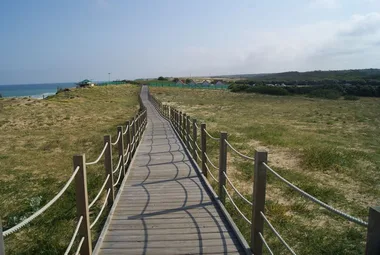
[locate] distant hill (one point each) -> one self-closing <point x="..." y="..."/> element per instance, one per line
<point x="341" y="75"/>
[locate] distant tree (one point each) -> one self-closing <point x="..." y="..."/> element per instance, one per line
<point x="161" y="78"/>
<point x="1" y="96"/>
<point x="175" y="80"/>
<point x="188" y="81"/>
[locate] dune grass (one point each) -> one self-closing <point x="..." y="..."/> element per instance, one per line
<point x="38" y="141"/>
<point x="329" y="148"/>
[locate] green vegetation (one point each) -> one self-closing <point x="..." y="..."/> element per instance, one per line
<point x="329" y="148"/>
<point x="39" y="139"/>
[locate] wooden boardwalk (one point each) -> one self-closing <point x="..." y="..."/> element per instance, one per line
<point x="163" y="206"/>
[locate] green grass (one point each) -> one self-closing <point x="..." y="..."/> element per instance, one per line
<point x="39" y="139"/>
<point x="329" y="148"/>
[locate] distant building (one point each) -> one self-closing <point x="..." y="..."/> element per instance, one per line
<point x="206" y="83"/>
<point x="219" y="83"/>
<point x="85" y="83"/>
<point x="179" y="83"/>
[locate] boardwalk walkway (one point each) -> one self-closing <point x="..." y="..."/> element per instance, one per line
<point x="163" y="207"/>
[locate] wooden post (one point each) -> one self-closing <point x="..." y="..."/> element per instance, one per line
<point x="2" y="247"/>
<point x="194" y="140"/>
<point x="188" y="132"/>
<point x="180" y="125"/>
<point x="222" y="166"/>
<point x="184" y="120"/>
<point x="203" y="148"/>
<point x="109" y="168"/>
<point x="373" y="232"/>
<point x="120" y="148"/>
<point x="259" y="187"/>
<point x="81" y="196"/>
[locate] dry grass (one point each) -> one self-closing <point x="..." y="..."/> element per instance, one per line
<point x="38" y="140"/>
<point x="328" y="148"/>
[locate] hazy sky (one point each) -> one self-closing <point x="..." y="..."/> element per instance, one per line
<point x="69" y="40"/>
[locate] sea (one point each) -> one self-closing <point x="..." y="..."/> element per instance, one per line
<point x="38" y="91"/>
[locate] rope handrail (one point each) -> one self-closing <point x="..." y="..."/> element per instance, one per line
<point x="79" y="246"/>
<point x="196" y="125"/>
<point x="214" y="138"/>
<point x="317" y="201"/>
<point x="118" y="178"/>
<point x="44" y="208"/>
<point x="99" y="193"/>
<point x="131" y="124"/>
<point x="265" y="243"/>
<point x="229" y="181"/>
<point x="117" y="140"/>
<point x="118" y="164"/>
<point x="208" y="159"/>
<point x="73" y="237"/>
<point x="101" y="210"/>
<point x="100" y="156"/>
<point x="236" y="207"/>
<point x="239" y="153"/>
<point x="208" y="170"/>
<point x="126" y="159"/>
<point x="126" y="151"/>
<point x="191" y="147"/>
<point x="198" y="156"/>
<point x="277" y="234"/>
<point x="126" y="130"/>
<point x="199" y="149"/>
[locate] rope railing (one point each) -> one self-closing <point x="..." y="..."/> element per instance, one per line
<point x="316" y="200"/>
<point x="100" y="156"/>
<point x="74" y="236"/>
<point x="118" y="164"/>
<point x="79" y="246"/>
<point x="237" y="152"/>
<point x="127" y="158"/>
<point x="208" y="170"/>
<point x="117" y="140"/>
<point x="234" y="188"/>
<point x="99" y="193"/>
<point x="196" y="126"/>
<point x="101" y="210"/>
<point x="198" y="156"/>
<point x="126" y="130"/>
<point x="265" y="243"/>
<point x="236" y="207"/>
<point x="43" y="209"/>
<point x="208" y="159"/>
<point x="126" y="151"/>
<point x="118" y="178"/>
<point x="198" y="148"/>
<point x="209" y="135"/>
<point x="278" y="234"/>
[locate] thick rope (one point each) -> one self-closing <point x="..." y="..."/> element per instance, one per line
<point x="43" y="209"/>
<point x="208" y="170"/>
<point x="236" y="207"/>
<point x="74" y="235"/>
<point x="126" y="130"/>
<point x="79" y="246"/>
<point x="277" y="234"/>
<point x="118" y="164"/>
<point x="199" y="149"/>
<point x="101" y="210"/>
<point x="117" y="140"/>
<point x="317" y="201"/>
<point x="99" y="193"/>
<point x="246" y="200"/>
<point x="265" y="243"/>
<point x="118" y="178"/>
<point x="126" y="159"/>
<point x="100" y="156"/>
<point x="214" y="138"/>
<point x="239" y="153"/>
<point x="208" y="159"/>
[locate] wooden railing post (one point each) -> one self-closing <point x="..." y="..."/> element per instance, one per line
<point x="2" y="247"/>
<point x="194" y="139"/>
<point x="128" y="139"/>
<point x="373" y="232"/>
<point x="184" y="120"/>
<point x="109" y="168"/>
<point x="222" y="166"/>
<point x="180" y="125"/>
<point x="259" y="187"/>
<point x="120" y="148"/>
<point x="203" y="148"/>
<point x="81" y="196"/>
<point x="188" y="132"/>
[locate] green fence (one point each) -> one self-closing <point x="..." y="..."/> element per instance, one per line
<point x="192" y="86"/>
<point x="110" y="83"/>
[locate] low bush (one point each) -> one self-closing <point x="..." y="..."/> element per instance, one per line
<point x="351" y="97"/>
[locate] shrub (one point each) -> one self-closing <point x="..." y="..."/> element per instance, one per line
<point x="325" y="93"/>
<point x="351" y="97"/>
<point x="268" y="90"/>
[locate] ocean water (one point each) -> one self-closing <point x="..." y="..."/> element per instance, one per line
<point x="33" y="90"/>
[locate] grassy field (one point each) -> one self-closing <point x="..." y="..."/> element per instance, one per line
<point x="329" y="148"/>
<point x="38" y="141"/>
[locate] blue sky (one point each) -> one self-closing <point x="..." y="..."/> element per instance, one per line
<point x="62" y="41"/>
